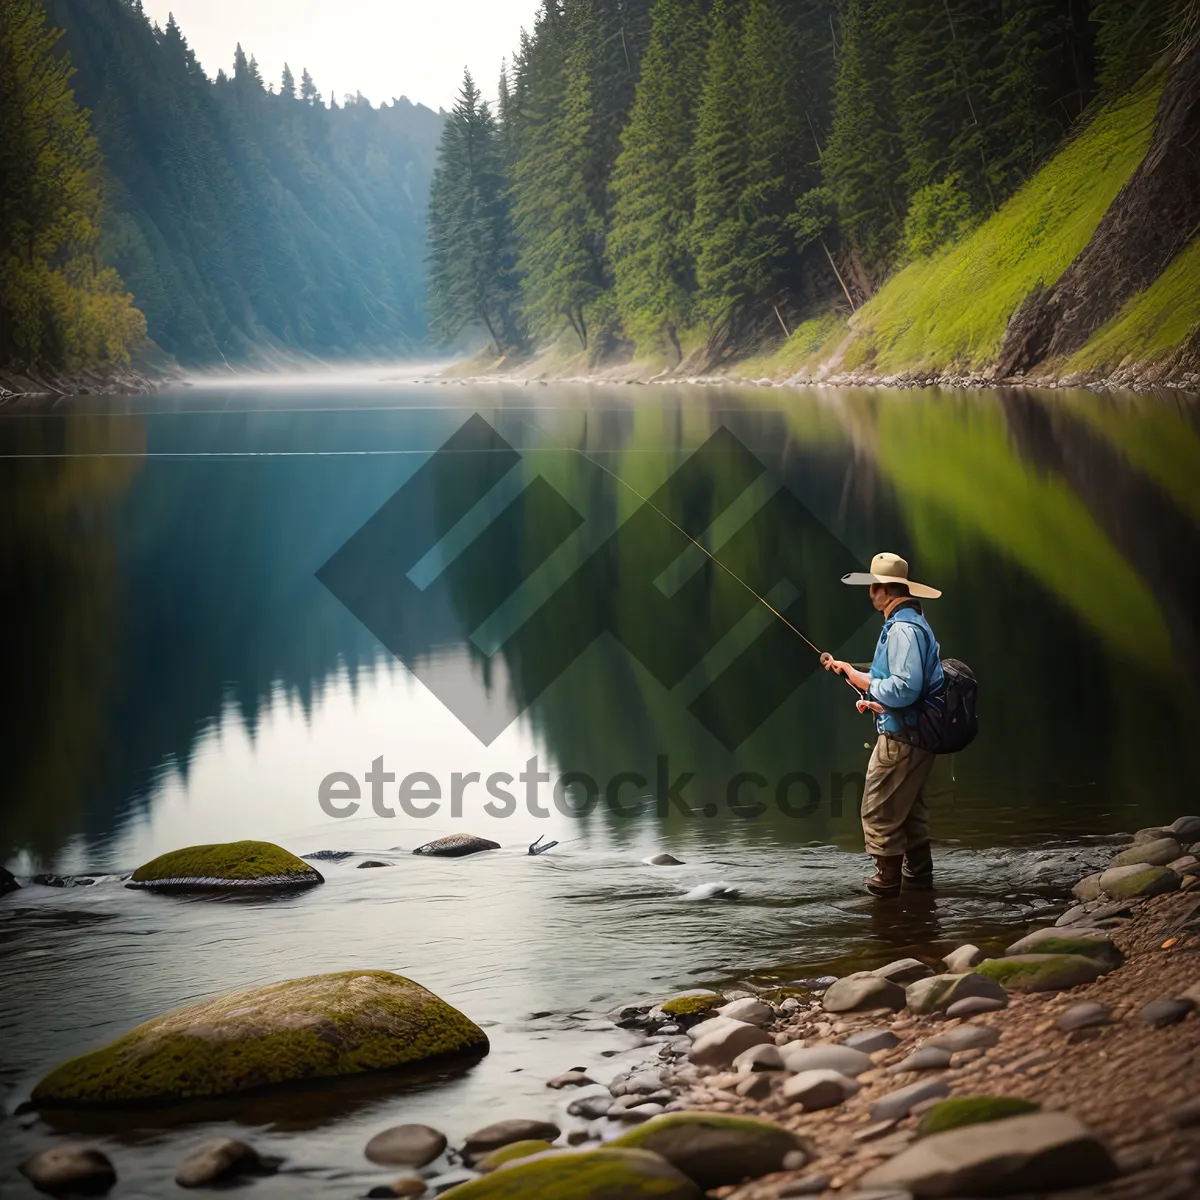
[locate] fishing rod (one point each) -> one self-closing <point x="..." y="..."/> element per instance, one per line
<point x="823" y="655"/>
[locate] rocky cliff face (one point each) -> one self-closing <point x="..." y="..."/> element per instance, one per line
<point x="1154" y="216"/>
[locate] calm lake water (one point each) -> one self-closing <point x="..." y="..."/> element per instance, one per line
<point x="201" y="626"/>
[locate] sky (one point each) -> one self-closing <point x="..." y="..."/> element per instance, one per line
<point x="382" y="48"/>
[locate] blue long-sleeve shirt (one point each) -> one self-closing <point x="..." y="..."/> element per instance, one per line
<point x="907" y="666"/>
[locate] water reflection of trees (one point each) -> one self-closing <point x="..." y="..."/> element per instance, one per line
<point x="1066" y="569"/>
<point x="60" y="594"/>
<point x="141" y="598"/>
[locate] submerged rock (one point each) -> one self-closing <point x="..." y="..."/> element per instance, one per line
<point x="220" y="1161"/>
<point x="584" y="1175"/>
<point x="716" y="1149"/>
<point x="1042" y="972"/>
<point x="504" y="1133"/>
<point x="62" y="881"/>
<point x="319" y="1027"/>
<point x="70" y="1170"/>
<point x="366" y="864"/>
<point x="225" y="865"/>
<point x="406" y="1146"/>
<point x="663" y="860"/>
<point x="456" y="845"/>
<point x="329" y="855"/>
<point x="1035" y="1152"/>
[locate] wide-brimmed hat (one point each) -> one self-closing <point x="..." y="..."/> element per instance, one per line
<point x="891" y="568"/>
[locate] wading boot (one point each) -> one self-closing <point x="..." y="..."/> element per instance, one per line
<point x="886" y="880"/>
<point x="918" y="869"/>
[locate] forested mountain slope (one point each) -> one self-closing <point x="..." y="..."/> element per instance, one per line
<point x="779" y="162"/>
<point x="247" y="219"/>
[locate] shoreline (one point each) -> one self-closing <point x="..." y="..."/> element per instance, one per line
<point x="839" y="1075"/>
<point x="115" y="381"/>
<point x="535" y="370"/>
<point x="1122" y="1062"/>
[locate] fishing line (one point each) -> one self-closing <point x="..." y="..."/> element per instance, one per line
<point x="704" y="550"/>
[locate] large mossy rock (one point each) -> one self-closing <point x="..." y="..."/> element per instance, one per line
<point x="319" y="1027"/>
<point x="715" y="1149"/>
<point x="1155" y="853"/>
<point x="1042" y="972"/>
<point x="225" y="865"/>
<point x="1032" y="1153"/>
<point x="608" y="1174"/>
<point x="937" y="993"/>
<point x="1097" y="946"/>
<point x="1137" y="880"/>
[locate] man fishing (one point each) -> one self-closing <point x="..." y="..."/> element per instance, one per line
<point x="906" y="668"/>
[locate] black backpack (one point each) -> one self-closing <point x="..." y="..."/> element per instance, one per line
<point x="947" y="720"/>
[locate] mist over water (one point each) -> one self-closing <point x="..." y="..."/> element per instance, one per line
<point x="186" y="677"/>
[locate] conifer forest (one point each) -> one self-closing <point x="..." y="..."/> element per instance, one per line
<point x="672" y="181"/>
<point x="672" y="173"/>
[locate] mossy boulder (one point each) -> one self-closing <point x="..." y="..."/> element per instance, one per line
<point x="608" y="1174"/>
<point x="938" y="992"/>
<point x="225" y="865"/>
<point x="691" y="1004"/>
<point x="1137" y="880"/>
<point x="319" y="1027"/>
<point x="715" y="1149"/>
<point x="1041" y="972"/>
<point x="511" y="1152"/>
<point x="1096" y="946"/>
<point x="972" y="1110"/>
<point x="1155" y="853"/>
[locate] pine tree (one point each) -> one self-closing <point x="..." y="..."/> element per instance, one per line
<point x="864" y="162"/>
<point x="653" y="184"/>
<point x="58" y="307"/>
<point x="471" y="269"/>
<point x="720" y="230"/>
<point x="287" y="87"/>
<point x="554" y="223"/>
<point x="308" y="89"/>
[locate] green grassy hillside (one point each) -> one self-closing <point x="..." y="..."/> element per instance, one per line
<point x="948" y="312"/>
